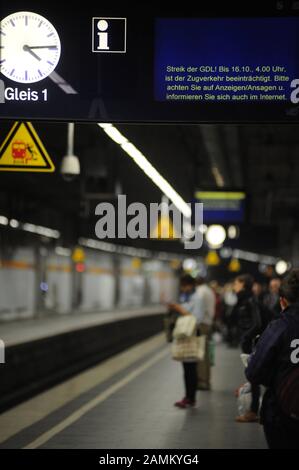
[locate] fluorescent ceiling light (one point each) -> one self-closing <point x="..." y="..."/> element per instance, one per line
<point x="29" y="228"/>
<point x="147" y="168"/>
<point x="61" y="251"/>
<point x="44" y="231"/>
<point x="127" y="250"/>
<point x="3" y="220"/>
<point x="114" y="134"/>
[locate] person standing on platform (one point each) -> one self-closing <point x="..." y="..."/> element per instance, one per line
<point x="271" y="299"/>
<point x="208" y="301"/>
<point x="191" y="305"/>
<point x="247" y="316"/>
<point x="275" y="364"/>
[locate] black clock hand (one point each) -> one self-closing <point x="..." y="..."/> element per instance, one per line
<point x="42" y="47"/>
<point x="66" y="87"/>
<point x="28" y="49"/>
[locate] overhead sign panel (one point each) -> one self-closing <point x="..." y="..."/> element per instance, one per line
<point x="100" y="65"/>
<point x="22" y="150"/>
<point x="222" y="206"/>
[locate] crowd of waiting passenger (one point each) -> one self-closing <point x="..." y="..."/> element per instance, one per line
<point x="263" y="320"/>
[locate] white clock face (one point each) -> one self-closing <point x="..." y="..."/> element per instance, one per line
<point x="29" y="47"/>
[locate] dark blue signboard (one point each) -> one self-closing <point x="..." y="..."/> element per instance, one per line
<point x="223" y="60"/>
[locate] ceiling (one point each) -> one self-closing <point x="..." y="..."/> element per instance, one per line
<point x="260" y="159"/>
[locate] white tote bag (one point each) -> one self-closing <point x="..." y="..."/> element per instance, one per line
<point x="186" y="349"/>
<point x="184" y="327"/>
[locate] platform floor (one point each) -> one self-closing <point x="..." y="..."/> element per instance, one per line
<point x="127" y="403"/>
<point x="22" y="331"/>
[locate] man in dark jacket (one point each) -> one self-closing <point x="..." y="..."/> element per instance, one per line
<point x="246" y="315"/>
<point x="271" y="299"/>
<point x="271" y="365"/>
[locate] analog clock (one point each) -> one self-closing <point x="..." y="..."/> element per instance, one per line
<point x="29" y="47"/>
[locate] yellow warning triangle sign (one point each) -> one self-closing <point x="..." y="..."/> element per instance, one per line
<point x="234" y="265"/>
<point x="22" y="150"/>
<point x="164" y="229"/>
<point x="212" y="258"/>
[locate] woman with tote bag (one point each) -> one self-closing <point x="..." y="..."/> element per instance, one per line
<point x="187" y="345"/>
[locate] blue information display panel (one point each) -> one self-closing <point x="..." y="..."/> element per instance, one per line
<point x="222" y="206"/>
<point x="226" y="60"/>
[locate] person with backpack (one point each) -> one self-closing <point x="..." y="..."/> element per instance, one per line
<point x="275" y="364"/>
<point x="247" y="316"/>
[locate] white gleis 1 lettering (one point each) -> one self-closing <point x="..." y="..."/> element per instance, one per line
<point x="14" y="94"/>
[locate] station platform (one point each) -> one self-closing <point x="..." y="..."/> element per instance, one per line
<point x="23" y="331"/>
<point x="43" y="352"/>
<point x="126" y="402"/>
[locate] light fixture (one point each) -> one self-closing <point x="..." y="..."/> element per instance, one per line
<point x="29" y="228"/>
<point x="281" y="267"/>
<point x="70" y="165"/>
<point x="3" y="220"/>
<point x="226" y="252"/>
<point x="203" y="228"/>
<point x="215" y="235"/>
<point x="61" y="251"/>
<point x="125" y="250"/>
<point x="233" y="232"/>
<point x="189" y="264"/>
<point x="114" y="134"/>
<point x="39" y="230"/>
<point x="147" y="168"/>
<point x="14" y="223"/>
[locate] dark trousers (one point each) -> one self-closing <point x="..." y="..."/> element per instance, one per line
<point x="284" y="435"/>
<point x="255" y="393"/>
<point x="190" y="377"/>
<point x="204" y="365"/>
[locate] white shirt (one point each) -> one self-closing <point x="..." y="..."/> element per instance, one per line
<point x="194" y="306"/>
<point x="208" y="302"/>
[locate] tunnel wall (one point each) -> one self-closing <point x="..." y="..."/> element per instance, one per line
<point x="58" y="278"/>
<point x="17" y="283"/>
<point x="108" y="281"/>
<point x="34" y="366"/>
